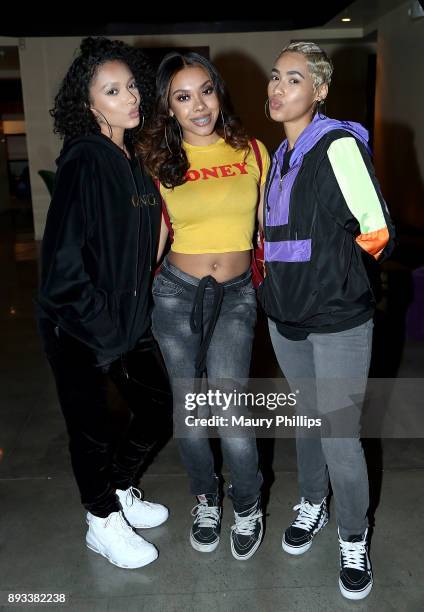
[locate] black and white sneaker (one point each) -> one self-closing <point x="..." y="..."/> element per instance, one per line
<point x="297" y="538"/>
<point x="355" y="580"/>
<point x="204" y="534"/>
<point x="246" y="534"/>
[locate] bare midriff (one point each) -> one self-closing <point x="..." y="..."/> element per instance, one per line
<point x="222" y="266"/>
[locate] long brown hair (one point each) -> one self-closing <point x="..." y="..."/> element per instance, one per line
<point x="161" y="147"/>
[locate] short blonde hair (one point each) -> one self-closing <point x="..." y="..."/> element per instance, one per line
<point x="320" y="65"/>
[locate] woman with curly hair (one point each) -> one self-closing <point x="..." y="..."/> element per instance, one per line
<point x="204" y="315"/>
<point x="99" y="244"/>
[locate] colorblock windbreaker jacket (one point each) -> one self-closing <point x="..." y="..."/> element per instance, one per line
<point x="325" y="225"/>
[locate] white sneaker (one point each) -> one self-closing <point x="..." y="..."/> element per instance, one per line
<point x="139" y="513"/>
<point x="113" y="538"/>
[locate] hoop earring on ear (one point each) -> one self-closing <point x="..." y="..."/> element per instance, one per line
<point x="224" y="125"/>
<point x="267" y="115"/>
<point x="142" y="124"/>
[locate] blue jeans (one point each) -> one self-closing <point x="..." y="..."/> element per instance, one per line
<point x="228" y="357"/>
<point x="310" y="364"/>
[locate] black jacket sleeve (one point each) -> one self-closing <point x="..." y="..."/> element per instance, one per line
<point x="67" y="293"/>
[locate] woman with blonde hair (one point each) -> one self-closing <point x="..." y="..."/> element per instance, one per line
<point x="325" y="224"/>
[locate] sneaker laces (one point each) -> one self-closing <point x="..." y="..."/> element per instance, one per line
<point x="307" y="516"/>
<point x="133" y="494"/>
<point x="121" y="523"/>
<point x="206" y="516"/>
<point x="245" y="525"/>
<point x="353" y="555"/>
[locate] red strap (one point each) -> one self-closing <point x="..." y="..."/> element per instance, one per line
<point x="257" y="264"/>
<point x="258" y="156"/>
<point x="165" y="212"/>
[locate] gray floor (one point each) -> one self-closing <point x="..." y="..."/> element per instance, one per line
<point x="42" y="525"/>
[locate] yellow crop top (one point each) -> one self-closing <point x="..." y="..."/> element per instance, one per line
<point x="214" y="211"/>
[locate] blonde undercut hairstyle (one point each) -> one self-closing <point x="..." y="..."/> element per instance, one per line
<point x="319" y="64"/>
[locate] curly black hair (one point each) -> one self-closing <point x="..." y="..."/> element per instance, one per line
<point x="161" y="146"/>
<point x="71" y="112"/>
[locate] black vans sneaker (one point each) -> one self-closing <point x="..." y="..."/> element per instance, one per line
<point x="355" y="580"/>
<point x="204" y="534"/>
<point x="246" y="534"/>
<point x="298" y="537"/>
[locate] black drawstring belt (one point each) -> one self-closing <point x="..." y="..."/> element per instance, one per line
<point x="196" y="319"/>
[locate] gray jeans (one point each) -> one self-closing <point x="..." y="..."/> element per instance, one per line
<point x="309" y="364"/>
<point x="228" y="357"/>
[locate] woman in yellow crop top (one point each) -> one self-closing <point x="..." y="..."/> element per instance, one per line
<point x="211" y="178"/>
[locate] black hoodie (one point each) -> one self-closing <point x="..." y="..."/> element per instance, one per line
<point x="99" y="247"/>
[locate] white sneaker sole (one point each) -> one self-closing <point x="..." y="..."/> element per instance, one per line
<point x="299" y="550"/>
<point x="251" y="551"/>
<point x="146" y="561"/>
<point x="295" y="550"/>
<point x="355" y="595"/>
<point x="203" y="547"/>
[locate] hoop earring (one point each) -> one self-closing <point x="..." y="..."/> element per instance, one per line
<point x="106" y="121"/>
<point x="142" y="124"/>
<point x="321" y="110"/>
<point x="224" y="125"/>
<point x="179" y="129"/>
<point x="181" y="138"/>
<point x="267" y="115"/>
<point x="166" y="140"/>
